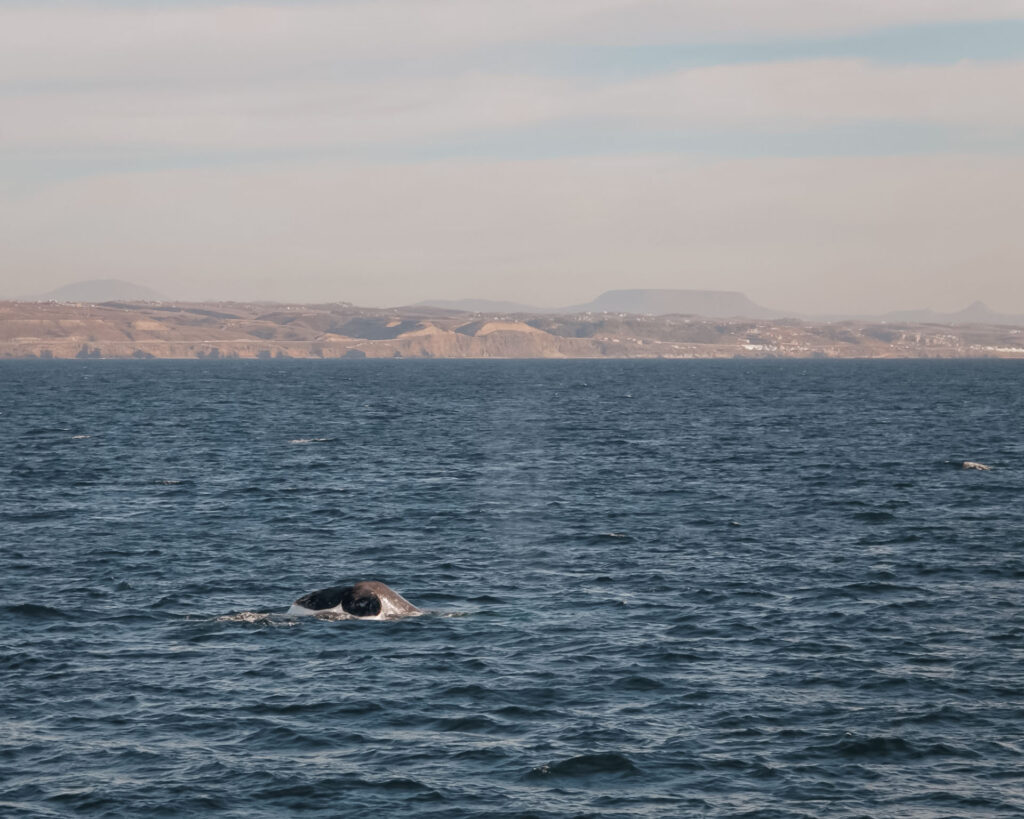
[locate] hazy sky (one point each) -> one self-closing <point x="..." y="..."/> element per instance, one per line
<point x="819" y="155"/>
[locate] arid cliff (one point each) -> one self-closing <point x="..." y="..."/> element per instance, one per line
<point x="180" y="330"/>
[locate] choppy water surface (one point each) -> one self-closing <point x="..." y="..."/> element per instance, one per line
<point x="654" y="588"/>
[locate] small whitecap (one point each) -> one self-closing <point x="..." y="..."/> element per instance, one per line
<point x="256" y="617"/>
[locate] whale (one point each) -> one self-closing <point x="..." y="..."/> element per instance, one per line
<point x="975" y="465"/>
<point x="366" y="600"/>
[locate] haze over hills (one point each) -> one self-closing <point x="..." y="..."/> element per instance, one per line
<point x="484" y="306"/>
<point x="723" y="304"/>
<point x="100" y="290"/>
<point x="975" y="313"/>
<point x="718" y="304"/>
<point x="708" y="303"/>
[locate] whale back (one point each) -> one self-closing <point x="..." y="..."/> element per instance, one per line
<point x="367" y="598"/>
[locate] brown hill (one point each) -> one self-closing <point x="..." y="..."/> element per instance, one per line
<point x="181" y="330"/>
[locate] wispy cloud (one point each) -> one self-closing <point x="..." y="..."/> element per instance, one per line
<point x="51" y="41"/>
<point x="346" y="113"/>
<point x="294" y="76"/>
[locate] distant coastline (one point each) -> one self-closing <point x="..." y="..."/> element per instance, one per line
<point x="180" y="330"/>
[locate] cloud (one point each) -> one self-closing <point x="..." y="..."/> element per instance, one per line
<point x="338" y="76"/>
<point x="823" y="92"/>
<point x="193" y="83"/>
<point x="808" y="234"/>
<point x="81" y="43"/>
<point x="345" y="114"/>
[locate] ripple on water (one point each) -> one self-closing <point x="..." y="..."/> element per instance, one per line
<point x="750" y="589"/>
<point x="587" y="765"/>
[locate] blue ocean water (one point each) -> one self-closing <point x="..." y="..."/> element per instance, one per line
<point x="700" y="588"/>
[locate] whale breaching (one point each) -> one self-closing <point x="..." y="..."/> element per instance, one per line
<point x="367" y="599"/>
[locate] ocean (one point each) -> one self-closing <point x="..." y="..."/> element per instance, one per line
<point x="652" y="588"/>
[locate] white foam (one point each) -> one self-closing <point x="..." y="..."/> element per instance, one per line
<point x="387" y="612"/>
<point x="264" y="618"/>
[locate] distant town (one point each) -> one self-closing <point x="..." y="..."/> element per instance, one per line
<point x="181" y="330"/>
